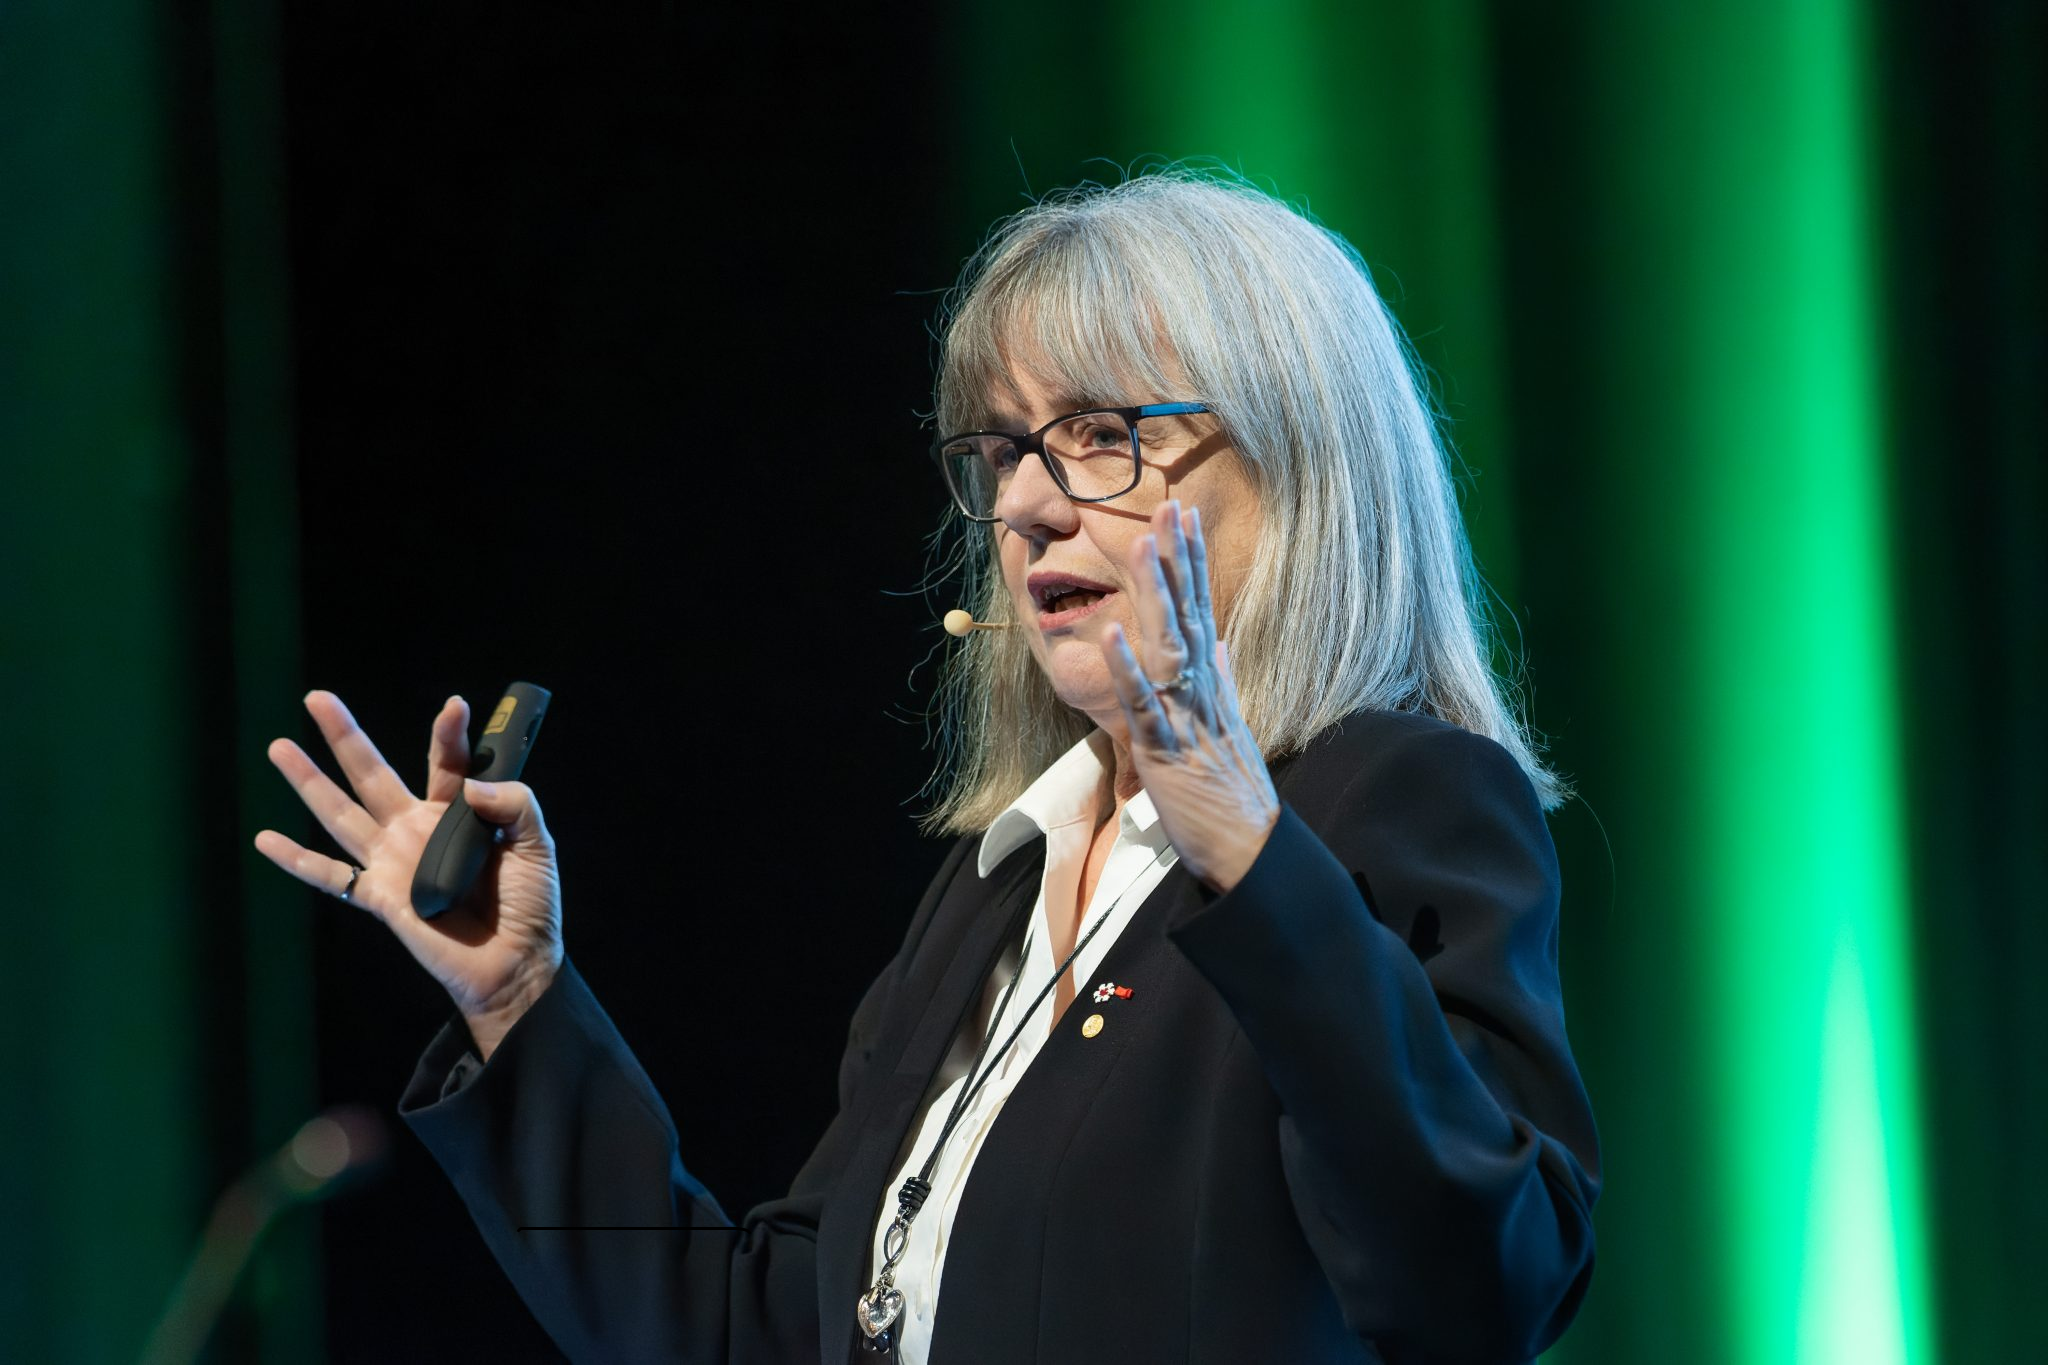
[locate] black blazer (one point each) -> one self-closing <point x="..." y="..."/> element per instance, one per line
<point x="1336" y="1120"/>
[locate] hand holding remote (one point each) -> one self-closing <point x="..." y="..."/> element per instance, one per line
<point x="496" y="950"/>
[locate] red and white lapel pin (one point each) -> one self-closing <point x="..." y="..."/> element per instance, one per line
<point x="1110" y="988"/>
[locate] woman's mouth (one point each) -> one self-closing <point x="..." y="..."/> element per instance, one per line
<point x="1073" y="604"/>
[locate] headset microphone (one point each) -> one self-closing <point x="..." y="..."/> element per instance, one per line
<point x="962" y="624"/>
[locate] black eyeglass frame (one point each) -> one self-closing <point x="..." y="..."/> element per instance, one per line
<point x="1033" y="443"/>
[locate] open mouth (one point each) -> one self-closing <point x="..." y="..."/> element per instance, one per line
<point x="1068" y="599"/>
<point x="1063" y="598"/>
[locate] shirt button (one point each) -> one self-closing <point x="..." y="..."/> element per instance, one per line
<point x="1091" y="1026"/>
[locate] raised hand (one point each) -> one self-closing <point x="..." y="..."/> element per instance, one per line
<point x="1193" y="752"/>
<point x="496" y="951"/>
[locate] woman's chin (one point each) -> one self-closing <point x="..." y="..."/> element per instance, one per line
<point x="1088" y="691"/>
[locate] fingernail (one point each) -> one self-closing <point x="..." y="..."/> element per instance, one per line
<point x="473" y="789"/>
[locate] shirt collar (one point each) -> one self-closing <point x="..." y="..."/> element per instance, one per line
<point x="1063" y="794"/>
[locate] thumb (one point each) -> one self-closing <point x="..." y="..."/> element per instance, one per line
<point x="506" y="803"/>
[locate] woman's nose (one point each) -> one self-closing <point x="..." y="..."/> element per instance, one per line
<point x="1033" y="498"/>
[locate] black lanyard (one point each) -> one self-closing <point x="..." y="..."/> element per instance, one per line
<point x="878" y="1312"/>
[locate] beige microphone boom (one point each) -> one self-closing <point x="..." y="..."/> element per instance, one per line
<point x="961" y="623"/>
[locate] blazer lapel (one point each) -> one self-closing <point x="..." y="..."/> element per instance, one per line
<point x="972" y="925"/>
<point x="998" y="1235"/>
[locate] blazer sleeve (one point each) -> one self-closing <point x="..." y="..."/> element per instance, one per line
<point x="1396" y="976"/>
<point x="562" y="1130"/>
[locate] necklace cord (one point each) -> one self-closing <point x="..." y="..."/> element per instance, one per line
<point x="910" y="1199"/>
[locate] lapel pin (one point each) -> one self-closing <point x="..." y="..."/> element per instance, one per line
<point x="1109" y="989"/>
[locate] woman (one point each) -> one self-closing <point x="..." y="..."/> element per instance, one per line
<point x="1227" y="770"/>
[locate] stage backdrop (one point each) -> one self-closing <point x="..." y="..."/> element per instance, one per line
<point x="404" y="351"/>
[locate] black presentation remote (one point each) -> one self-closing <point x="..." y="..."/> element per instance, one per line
<point x="455" y="855"/>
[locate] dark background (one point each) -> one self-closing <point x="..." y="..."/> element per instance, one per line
<point x="612" y="344"/>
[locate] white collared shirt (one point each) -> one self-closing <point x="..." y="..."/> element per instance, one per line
<point x="1062" y="806"/>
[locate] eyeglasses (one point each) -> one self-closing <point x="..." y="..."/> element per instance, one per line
<point x="1093" y="456"/>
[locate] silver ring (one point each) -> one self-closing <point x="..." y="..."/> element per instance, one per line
<point x="357" y="872"/>
<point x="1184" y="678"/>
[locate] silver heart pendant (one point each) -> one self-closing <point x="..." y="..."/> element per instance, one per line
<point x="875" y="1315"/>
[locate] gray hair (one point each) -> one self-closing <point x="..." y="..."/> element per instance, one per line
<point x="1184" y="284"/>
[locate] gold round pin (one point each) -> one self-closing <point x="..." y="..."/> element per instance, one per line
<point x="1091" y="1026"/>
